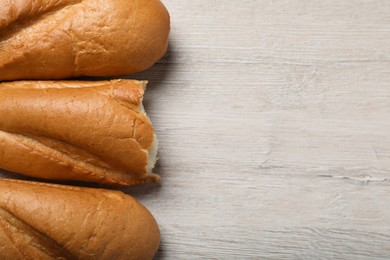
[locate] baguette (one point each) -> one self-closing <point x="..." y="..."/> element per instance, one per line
<point x="77" y="130"/>
<point x="55" y="39"/>
<point x="46" y="221"/>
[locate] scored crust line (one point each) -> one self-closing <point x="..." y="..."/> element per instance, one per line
<point x="47" y="245"/>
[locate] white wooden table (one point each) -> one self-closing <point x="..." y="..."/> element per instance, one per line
<point x="274" y="126"/>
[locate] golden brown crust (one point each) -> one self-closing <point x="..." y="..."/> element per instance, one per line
<point x="56" y="39"/>
<point x="75" y="130"/>
<point x="45" y="221"/>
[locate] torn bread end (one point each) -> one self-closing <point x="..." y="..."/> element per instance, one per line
<point x="152" y="155"/>
<point x="152" y="151"/>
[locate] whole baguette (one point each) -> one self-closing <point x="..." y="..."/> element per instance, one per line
<point x="77" y="130"/>
<point x="45" y="221"/>
<point x="55" y="39"/>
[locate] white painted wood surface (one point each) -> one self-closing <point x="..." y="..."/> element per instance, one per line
<point x="274" y="126"/>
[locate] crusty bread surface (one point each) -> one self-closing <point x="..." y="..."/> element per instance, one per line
<point x="56" y="39"/>
<point x="46" y="221"/>
<point x="77" y="130"/>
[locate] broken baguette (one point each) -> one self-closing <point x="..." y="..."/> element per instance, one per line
<point x="46" y="221"/>
<point x="56" y="39"/>
<point x="77" y="130"/>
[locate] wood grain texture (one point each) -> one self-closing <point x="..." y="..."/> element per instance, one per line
<point x="274" y="127"/>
